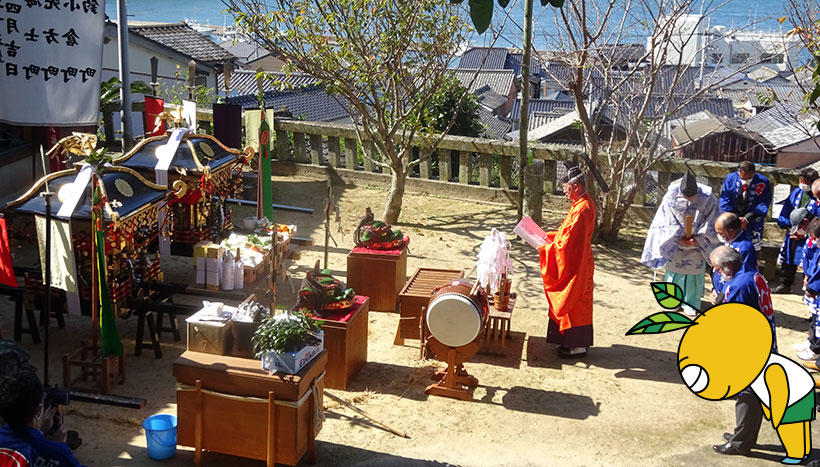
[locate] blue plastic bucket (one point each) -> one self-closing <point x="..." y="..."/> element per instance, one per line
<point x="161" y="433"/>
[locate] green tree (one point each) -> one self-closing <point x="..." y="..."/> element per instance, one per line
<point x="385" y="59"/>
<point x="452" y="102"/>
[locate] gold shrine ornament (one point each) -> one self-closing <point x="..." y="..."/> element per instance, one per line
<point x="206" y="148"/>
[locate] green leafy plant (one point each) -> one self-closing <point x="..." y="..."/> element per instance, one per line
<point x="257" y="240"/>
<point x="110" y="90"/>
<point x="288" y="334"/>
<point x="670" y="296"/>
<point x="98" y="158"/>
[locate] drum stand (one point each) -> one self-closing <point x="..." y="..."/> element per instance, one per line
<point x="453" y="382"/>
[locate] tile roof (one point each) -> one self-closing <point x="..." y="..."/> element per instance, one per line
<point x="183" y="38"/>
<point x="494" y="127"/>
<point x="493" y="58"/>
<point x="541" y="105"/>
<point x="311" y="103"/>
<point x="245" y="51"/>
<point x="660" y="104"/>
<point x="778" y="93"/>
<point x="500" y="81"/>
<point x="490" y="99"/>
<point x="784" y="124"/>
<point x="701" y="124"/>
<point x="515" y="59"/>
<point x="244" y="81"/>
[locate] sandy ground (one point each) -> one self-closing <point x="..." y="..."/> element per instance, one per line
<point x="624" y="404"/>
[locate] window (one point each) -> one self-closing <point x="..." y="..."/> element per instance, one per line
<point x="740" y="58"/>
<point x="771" y="58"/>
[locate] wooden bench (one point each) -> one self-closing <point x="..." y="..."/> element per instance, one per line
<point x="497" y="331"/>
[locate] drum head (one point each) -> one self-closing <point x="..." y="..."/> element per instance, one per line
<point x="453" y="319"/>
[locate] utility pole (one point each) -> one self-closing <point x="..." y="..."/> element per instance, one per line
<point x="523" y="115"/>
<point x="125" y="77"/>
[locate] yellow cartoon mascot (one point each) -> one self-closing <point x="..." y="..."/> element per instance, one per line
<point x="709" y="365"/>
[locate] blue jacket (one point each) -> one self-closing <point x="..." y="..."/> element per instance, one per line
<point x="751" y="289"/>
<point x="811" y="256"/>
<point x="743" y="245"/>
<point x="791" y="203"/>
<point x="758" y="199"/>
<point x="36" y="448"/>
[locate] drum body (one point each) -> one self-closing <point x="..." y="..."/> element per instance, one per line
<point x="454" y="317"/>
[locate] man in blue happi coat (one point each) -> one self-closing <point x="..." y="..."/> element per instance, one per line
<point x="747" y="194"/>
<point x="792" y="250"/>
<point x="731" y="234"/>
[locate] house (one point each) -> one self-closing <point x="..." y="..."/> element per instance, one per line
<point x="253" y="56"/>
<point x="243" y="82"/>
<point x="174" y="45"/>
<point x="307" y="103"/>
<point x="706" y="136"/>
<point x="793" y="134"/>
<point x="491" y="86"/>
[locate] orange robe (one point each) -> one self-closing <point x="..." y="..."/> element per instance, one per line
<point x="567" y="268"/>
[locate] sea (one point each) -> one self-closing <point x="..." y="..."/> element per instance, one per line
<point x="761" y="14"/>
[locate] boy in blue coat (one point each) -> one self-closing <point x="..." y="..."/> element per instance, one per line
<point x="747" y="194"/>
<point x="791" y="253"/>
<point x="810" y="349"/>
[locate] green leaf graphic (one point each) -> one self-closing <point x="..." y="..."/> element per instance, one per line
<point x="668" y="294"/>
<point x="664" y="321"/>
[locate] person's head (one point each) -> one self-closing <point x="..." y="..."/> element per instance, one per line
<point x="726" y="260"/>
<point x="727" y="227"/>
<point x="799" y="219"/>
<point x="813" y="229"/>
<point x="21" y="398"/>
<point x="574" y="181"/>
<point x="807" y="177"/>
<point x="746" y="170"/>
<point x="815" y="188"/>
<point x="688" y="186"/>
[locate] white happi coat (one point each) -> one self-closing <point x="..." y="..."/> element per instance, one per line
<point x="668" y="226"/>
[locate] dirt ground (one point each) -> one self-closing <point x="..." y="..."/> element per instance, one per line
<point x="624" y="404"/>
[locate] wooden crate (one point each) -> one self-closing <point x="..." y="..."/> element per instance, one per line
<point x="415" y="295"/>
<point x="346" y="344"/>
<point x="238" y="389"/>
<point x="378" y="276"/>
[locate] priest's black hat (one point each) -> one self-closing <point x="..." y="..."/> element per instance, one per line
<point x="688" y="185"/>
<point x="574" y="173"/>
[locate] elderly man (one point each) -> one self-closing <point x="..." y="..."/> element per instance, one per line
<point x="792" y="250"/>
<point x="750" y="288"/>
<point x="747" y="194"/>
<point x="731" y="234"/>
<point x="668" y="243"/>
<point x="567" y="268"/>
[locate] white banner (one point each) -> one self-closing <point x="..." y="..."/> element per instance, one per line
<point x="51" y="61"/>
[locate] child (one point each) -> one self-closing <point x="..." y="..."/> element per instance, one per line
<point x="810" y="349"/>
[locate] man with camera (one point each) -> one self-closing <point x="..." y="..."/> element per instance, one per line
<point x="27" y="415"/>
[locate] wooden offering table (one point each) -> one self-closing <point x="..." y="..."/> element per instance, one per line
<point x="497" y="331"/>
<point x="346" y="343"/>
<point x="232" y="406"/>
<point x="378" y="274"/>
<point x="416" y="295"/>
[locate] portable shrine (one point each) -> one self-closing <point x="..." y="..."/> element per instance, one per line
<point x="131" y="230"/>
<point x="212" y="173"/>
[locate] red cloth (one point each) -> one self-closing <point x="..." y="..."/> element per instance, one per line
<point x="153" y="109"/>
<point x="567" y="266"/>
<point x="396" y="252"/>
<point x="344" y="316"/>
<point x="6" y="266"/>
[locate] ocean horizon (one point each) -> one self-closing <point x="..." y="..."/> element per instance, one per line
<point x="735" y="13"/>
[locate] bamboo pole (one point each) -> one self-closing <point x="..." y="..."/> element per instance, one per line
<point x="366" y="415"/>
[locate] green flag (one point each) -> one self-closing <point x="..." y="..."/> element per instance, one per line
<point x="109" y="338"/>
<point x="264" y="174"/>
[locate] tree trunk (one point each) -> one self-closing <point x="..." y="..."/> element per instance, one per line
<point x="392" y="209"/>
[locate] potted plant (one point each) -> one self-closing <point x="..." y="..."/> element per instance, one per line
<point x="287" y="342"/>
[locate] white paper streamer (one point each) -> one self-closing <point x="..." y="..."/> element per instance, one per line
<point x="493" y="259"/>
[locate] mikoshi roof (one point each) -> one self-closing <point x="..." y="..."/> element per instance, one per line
<point x="127" y="191"/>
<point x="194" y="154"/>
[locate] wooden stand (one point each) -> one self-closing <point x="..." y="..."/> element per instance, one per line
<point x="277" y="412"/>
<point x="415" y="295"/>
<point x="453" y="382"/>
<point x="101" y="372"/>
<point x="497" y="331"/>
<point x="379" y="276"/>
<point x="346" y="344"/>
